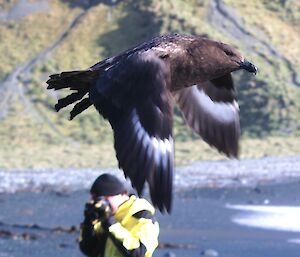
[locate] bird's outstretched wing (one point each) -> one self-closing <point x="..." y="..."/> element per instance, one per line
<point x="211" y="110"/>
<point x="142" y="122"/>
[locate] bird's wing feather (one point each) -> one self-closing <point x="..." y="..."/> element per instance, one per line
<point x="212" y="111"/>
<point x="220" y="89"/>
<point x="143" y="128"/>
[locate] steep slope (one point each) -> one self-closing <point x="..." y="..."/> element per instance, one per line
<point x="76" y="34"/>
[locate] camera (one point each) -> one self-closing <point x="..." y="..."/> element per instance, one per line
<point x="102" y="207"/>
<point x="102" y="203"/>
<point x="97" y="209"/>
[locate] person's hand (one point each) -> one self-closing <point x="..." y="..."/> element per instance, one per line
<point x="90" y="213"/>
<point x="108" y="221"/>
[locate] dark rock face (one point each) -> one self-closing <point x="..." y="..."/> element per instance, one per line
<point x="85" y="4"/>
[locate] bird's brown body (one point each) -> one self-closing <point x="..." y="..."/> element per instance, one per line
<point x="134" y="91"/>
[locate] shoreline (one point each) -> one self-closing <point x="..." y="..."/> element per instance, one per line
<point x="201" y="174"/>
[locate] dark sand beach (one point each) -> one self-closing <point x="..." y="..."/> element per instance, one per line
<point x="256" y="219"/>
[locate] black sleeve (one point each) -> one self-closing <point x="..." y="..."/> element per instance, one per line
<point x="90" y="244"/>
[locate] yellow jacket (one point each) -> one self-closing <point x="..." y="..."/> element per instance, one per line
<point x="133" y="233"/>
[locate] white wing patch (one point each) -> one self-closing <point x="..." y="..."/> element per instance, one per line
<point x="223" y="112"/>
<point x="163" y="146"/>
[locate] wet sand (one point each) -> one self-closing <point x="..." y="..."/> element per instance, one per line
<point x="46" y="223"/>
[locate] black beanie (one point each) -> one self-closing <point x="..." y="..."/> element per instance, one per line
<point x="107" y="185"/>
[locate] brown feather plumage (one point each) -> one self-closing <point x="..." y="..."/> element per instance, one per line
<point x="134" y="90"/>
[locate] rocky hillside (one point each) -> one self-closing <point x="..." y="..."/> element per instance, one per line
<point x="41" y="37"/>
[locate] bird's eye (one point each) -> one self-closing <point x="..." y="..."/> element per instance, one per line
<point x="229" y="53"/>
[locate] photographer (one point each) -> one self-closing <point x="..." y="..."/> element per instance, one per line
<point x="116" y="224"/>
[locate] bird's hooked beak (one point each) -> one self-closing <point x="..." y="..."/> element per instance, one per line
<point x="248" y="66"/>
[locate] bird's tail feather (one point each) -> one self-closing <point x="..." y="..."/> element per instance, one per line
<point x="78" y="81"/>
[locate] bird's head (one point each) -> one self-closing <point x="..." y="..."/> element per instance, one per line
<point x="234" y="58"/>
<point x="216" y="59"/>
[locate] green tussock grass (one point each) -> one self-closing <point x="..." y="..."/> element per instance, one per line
<point x="280" y="23"/>
<point x="81" y="155"/>
<point x="22" y="40"/>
